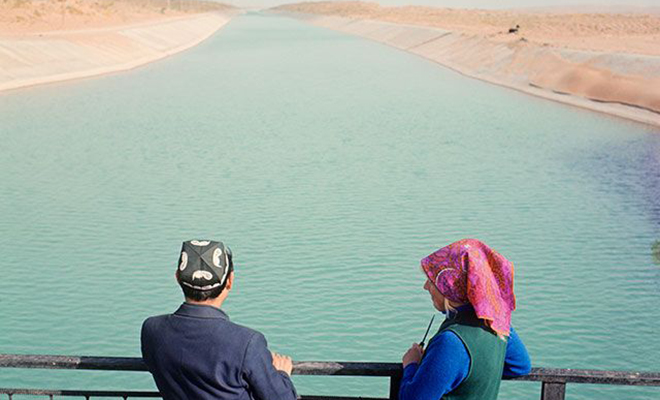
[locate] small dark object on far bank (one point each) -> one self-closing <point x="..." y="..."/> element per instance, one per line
<point x="514" y="30"/>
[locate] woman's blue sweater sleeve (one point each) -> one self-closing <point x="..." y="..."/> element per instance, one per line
<point x="445" y="365"/>
<point x="516" y="360"/>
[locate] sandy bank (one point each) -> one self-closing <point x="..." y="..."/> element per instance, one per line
<point x="594" y="73"/>
<point x="31" y="56"/>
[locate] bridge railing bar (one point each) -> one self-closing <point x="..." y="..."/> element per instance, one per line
<point x="553" y="380"/>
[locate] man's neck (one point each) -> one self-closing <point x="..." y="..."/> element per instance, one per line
<point x="217" y="302"/>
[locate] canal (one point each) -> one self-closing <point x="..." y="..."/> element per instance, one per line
<point x="331" y="165"/>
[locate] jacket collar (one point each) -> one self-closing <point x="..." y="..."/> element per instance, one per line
<point x="465" y="308"/>
<point x="200" y="311"/>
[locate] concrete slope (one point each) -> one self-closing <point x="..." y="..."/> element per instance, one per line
<point x="625" y="85"/>
<point x="37" y="59"/>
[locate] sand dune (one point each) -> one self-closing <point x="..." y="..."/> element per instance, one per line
<point x="608" y="32"/>
<point x="605" y="62"/>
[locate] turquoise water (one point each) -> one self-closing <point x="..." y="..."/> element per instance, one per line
<point x="331" y="165"/>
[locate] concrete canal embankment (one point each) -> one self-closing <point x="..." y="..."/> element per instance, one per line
<point x="51" y="57"/>
<point x="625" y="85"/>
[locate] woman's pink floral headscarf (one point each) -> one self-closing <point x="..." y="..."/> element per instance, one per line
<point x="468" y="271"/>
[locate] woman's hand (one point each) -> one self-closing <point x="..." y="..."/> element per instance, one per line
<point x="413" y="355"/>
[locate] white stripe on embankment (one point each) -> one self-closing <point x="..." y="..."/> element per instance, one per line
<point x="625" y="85"/>
<point x="59" y="56"/>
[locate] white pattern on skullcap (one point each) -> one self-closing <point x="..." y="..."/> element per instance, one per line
<point x="216" y="257"/>
<point x="200" y="242"/>
<point x="207" y="287"/>
<point x="184" y="261"/>
<point x="206" y="275"/>
<point x="224" y="275"/>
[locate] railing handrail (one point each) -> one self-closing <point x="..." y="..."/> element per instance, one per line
<point x="549" y="375"/>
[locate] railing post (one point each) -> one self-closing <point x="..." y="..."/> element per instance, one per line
<point x="553" y="391"/>
<point x="395" y="382"/>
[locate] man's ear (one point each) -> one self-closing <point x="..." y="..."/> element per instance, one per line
<point x="230" y="281"/>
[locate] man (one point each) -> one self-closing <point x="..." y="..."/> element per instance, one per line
<point x="197" y="353"/>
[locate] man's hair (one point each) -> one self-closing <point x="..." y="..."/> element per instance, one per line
<point x="203" y="295"/>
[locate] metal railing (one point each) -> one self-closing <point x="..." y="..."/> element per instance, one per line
<point x="553" y="381"/>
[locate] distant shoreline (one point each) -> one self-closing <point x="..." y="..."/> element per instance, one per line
<point x="612" y="82"/>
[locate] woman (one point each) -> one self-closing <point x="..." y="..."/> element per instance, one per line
<point x="475" y="345"/>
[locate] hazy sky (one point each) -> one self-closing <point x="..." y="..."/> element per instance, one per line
<point x="474" y="3"/>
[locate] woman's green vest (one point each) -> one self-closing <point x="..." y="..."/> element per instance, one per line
<point x="486" y="352"/>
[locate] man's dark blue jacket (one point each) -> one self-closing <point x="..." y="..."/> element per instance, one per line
<point x="198" y="354"/>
